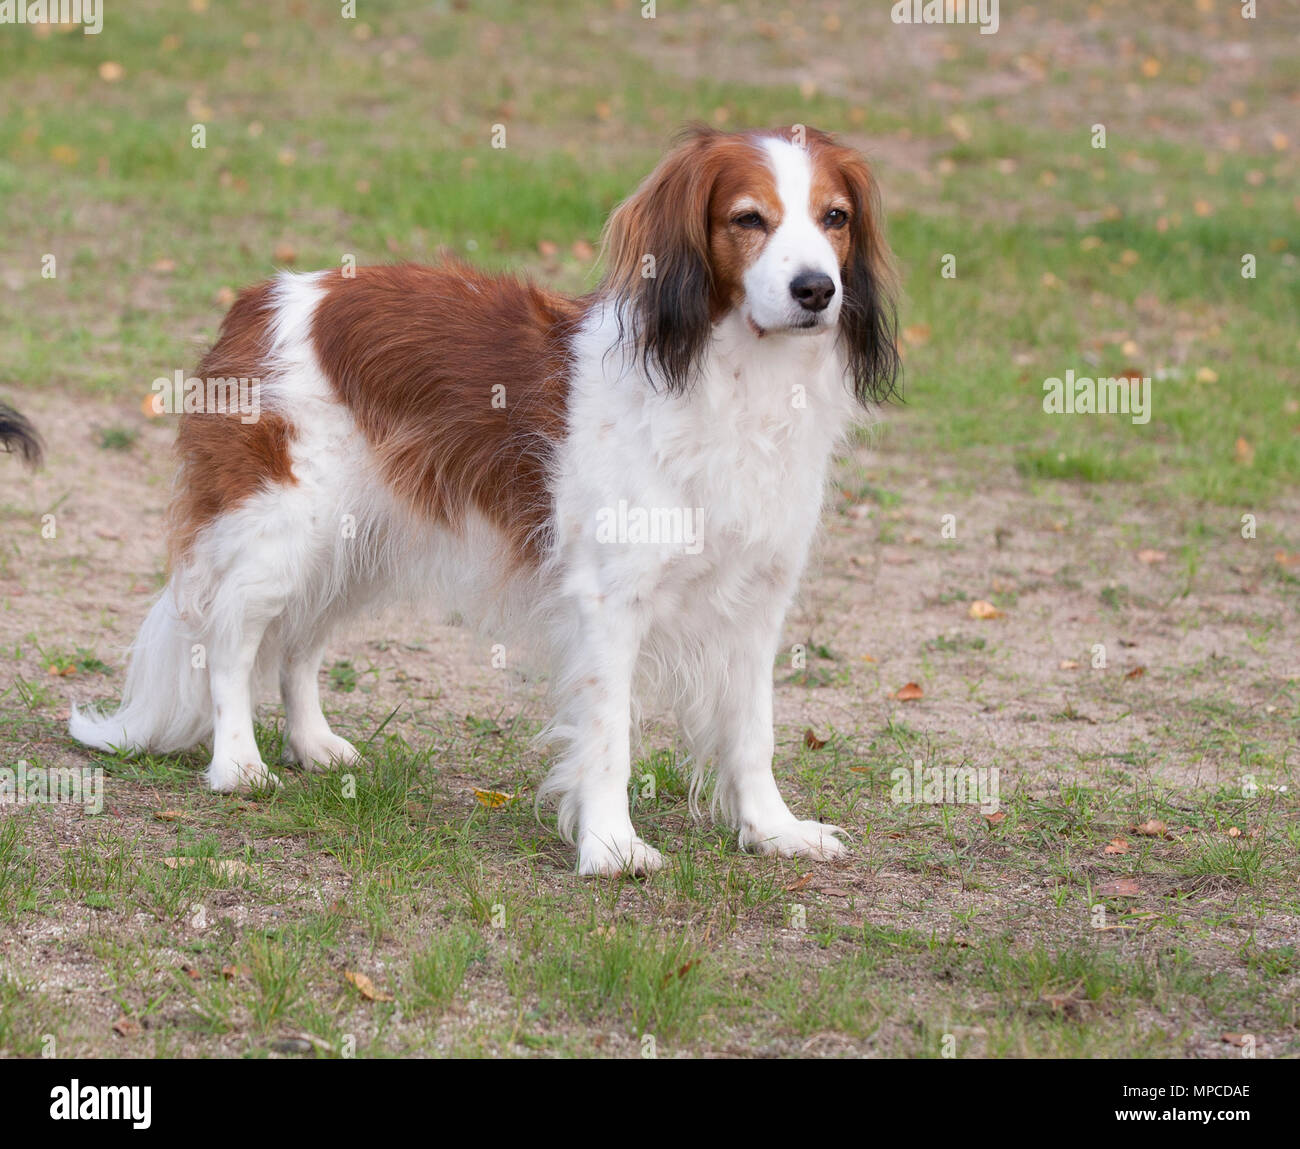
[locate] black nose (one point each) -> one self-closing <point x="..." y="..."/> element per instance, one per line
<point x="812" y="289"/>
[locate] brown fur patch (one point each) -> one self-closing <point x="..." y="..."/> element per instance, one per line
<point x="415" y="353"/>
<point x="224" y="460"/>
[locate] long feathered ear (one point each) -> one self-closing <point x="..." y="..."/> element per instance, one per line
<point x="659" y="274"/>
<point x="868" y="320"/>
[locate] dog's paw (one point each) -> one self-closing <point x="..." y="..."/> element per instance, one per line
<point x="794" y="839"/>
<point x="321" y="752"/>
<point x="616" y="853"/>
<point x="229" y="776"/>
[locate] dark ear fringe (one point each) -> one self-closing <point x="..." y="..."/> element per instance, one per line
<point x="670" y="313"/>
<point x="869" y="326"/>
<point x="671" y="320"/>
<point x="17" y="434"/>
<point x="868" y="319"/>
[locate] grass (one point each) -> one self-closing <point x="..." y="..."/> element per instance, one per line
<point x="948" y="932"/>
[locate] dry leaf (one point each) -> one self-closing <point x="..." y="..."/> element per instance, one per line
<point x="1069" y="664"/>
<point x="1120" y="888"/>
<point x="366" y="987"/>
<point x="126" y="1026"/>
<point x="230" y="972"/>
<point x="547" y="249"/>
<point x="1116" y="846"/>
<point x="1136" y="672"/>
<point x="1151" y="828"/>
<point x="1233" y="832"/>
<point x="169" y="815"/>
<point x="812" y="741"/>
<point x="799" y="883"/>
<point x="981" y="609"/>
<point x="492" y="798"/>
<point x="996" y="817"/>
<point x="1149" y="556"/>
<point x="1245" y="453"/>
<point x="285" y="253"/>
<point x="910" y="693"/>
<point x="1237" y="1039"/>
<point x="110" y="71"/>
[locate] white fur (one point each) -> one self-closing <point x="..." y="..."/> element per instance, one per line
<point x="749" y="443"/>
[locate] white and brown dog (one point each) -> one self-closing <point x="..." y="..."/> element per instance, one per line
<point x="436" y="429"/>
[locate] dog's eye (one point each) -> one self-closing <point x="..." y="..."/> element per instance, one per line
<point x="835" y="219"/>
<point x="748" y="219"/>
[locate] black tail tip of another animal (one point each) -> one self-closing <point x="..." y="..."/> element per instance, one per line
<point x="17" y="435"/>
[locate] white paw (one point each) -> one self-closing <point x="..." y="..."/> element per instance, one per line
<point x="616" y="852"/>
<point x="320" y="751"/>
<point x="795" y="839"/>
<point x="229" y="776"/>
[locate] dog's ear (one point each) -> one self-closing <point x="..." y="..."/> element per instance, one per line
<point x="657" y="254"/>
<point x="868" y="320"/>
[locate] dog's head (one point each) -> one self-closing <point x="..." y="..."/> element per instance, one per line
<point x="782" y="227"/>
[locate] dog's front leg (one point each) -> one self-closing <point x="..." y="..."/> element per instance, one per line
<point x="734" y="721"/>
<point x="591" y="775"/>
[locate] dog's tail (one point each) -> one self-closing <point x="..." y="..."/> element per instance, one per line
<point x="165" y="704"/>
<point x="17" y="434"/>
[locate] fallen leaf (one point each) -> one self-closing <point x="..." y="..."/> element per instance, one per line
<point x="812" y="741"/>
<point x="1237" y="1039"/>
<point x="126" y="1026"/>
<point x="1136" y="672"/>
<point x="582" y="250"/>
<point x="164" y="266"/>
<point x="996" y="817"/>
<point x="1151" y="828"/>
<point x="981" y="609"/>
<point x="110" y="71"/>
<point x="1245" y="453"/>
<point x="1149" y="556"/>
<point x="285" y="253"/>
<point x="492" y="798"/>
<point x="547" y="249"/>
<point x="152" y="405"/>
<point x="1233" y="832"/>
<point x="366" y="987"/>
<point x="169" y="815"/>
<point x="1069" y="664"/>
<point x="1116" y="846"/>
<point x="910" y="693"/>
<point x="230" y="972"/>
<point x="1286" y="560"/>
<point x="918" y="334"/>
<point x="1121" y="888"/>
<point x="191" y="972"/>
<point x="799" y="883"/>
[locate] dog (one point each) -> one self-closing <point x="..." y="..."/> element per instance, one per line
<point x="17" y="435"/>
<point x="533" y="459"/>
